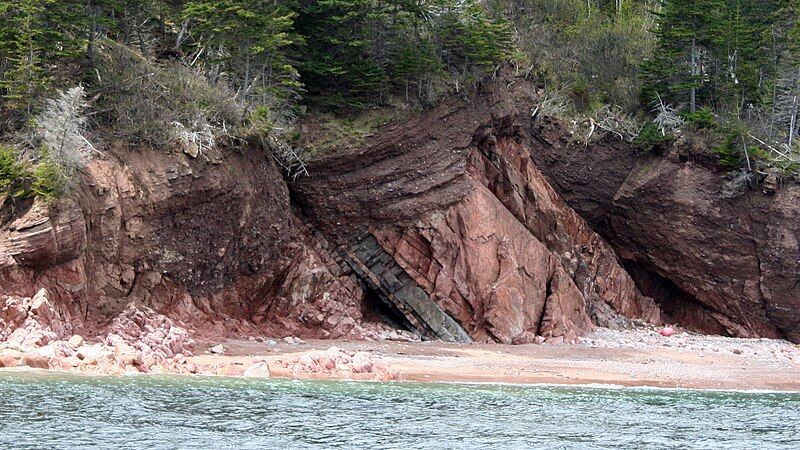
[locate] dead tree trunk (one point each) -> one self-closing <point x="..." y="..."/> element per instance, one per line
<point x="693" y="101"/>
<point x="793" y="121"/>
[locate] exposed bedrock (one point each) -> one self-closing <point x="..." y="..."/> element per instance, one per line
<point x="717" y="264"/>
<point x="466" y="222"/>
<point x="209" y="241"/>
<point x="455" y="198"/>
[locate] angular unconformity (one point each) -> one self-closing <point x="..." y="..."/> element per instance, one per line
<point x="453" y="197"/>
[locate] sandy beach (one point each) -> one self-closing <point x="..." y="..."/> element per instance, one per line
<point x="141" y="341"/>
<point x="635" y="358"/>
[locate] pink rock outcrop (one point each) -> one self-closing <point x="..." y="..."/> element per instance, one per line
<point x="31" y="322"/>
<point x="337" y="363"/>
<point x="486" y="271"/>
<point x="38" y="332"/>
<point x="454" y="198"/>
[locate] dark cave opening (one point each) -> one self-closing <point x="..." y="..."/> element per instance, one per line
<point x="374" y="309"/>
<point x="678" y="306"/>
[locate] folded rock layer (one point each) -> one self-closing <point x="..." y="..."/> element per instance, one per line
<point x="470" y="221"/>
<point x="456" y="199"/>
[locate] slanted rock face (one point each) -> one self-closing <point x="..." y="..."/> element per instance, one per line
<point x="507" y="168"/>
<point x="210" y="241"/>
<point x="717" y="264"/>
<point x="485" y="270"/>
<point x="455" y="198"/>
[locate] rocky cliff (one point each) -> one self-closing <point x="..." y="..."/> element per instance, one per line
<point x="456" y="200"/>
<point x="716" y="263"/>
<point x="210" y="241"/>
<point x="467" y="222"/>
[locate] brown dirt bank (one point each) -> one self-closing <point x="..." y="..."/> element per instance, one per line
<point x="716" y="263"/>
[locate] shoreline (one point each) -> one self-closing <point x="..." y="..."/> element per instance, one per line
<point x="604" y="358"/>
<point x="180" y="376"/>
<point x="627" y="359"/>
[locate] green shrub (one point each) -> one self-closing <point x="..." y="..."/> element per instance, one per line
<point x="10" y="169"/>
<point x="579" y="94"/>
<point x="260" y="122"/>
<point x="788" y="167"/>
<point x="758" y="154"/>
<point x="729" y="159"/>
<point x="702" y="119"/>
<point x="20" y="180"/>
<point x="48" y="180"/>
<point x="143" y="100"/>
<point x="13" y="173"/>
<point x="582" y="50"/>
<point x="730" y="151"/>
<point x="651" y="139"/>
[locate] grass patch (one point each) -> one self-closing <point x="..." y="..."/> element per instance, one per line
<point x="327" y="132"/>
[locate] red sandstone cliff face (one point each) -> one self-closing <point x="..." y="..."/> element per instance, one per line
<point x="211" y="242"/>
<point x="457" y="219"/>
<point x="456" y="200"/>
<point x="452" y="198"/>
<point x="717" y="264"/>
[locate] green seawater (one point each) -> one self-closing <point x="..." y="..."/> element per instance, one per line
<point x="45" y="410"/>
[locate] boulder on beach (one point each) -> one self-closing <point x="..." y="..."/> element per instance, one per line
<point x="337" y="363"/>
<point x="259" y="369"/>
<point x="75" y="341"/>
<point x="35" y="361"/>
<point x="93" y="353"/>
<point x="10" y="358"/>
<point x="217" y="349"/>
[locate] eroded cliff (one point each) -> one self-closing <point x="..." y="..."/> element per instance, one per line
<point x="467" y="222"/>
<point x="454" y="196"/>
<point x="719" y="264"/>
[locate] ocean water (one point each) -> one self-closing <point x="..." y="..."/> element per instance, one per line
<point x="45" y="410"/>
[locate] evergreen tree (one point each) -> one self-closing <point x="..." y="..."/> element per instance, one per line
<point x="686" y="30"/>
<point x="34" y="35"/>
<point x="337" y="63"/>
<point x="251" y="39"/>
<point x="786" y="87"/>
<point x="358" y="51"/>
<point x="720" y="52"/>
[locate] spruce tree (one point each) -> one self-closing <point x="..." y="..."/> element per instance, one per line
<point x="38" y="38"/>
<point x="250" y="38"/>
<point x="686" y="30"/>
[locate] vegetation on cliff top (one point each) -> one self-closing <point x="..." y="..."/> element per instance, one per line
<point x="204" y="72"/>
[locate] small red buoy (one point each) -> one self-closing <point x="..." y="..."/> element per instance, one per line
<point x="667" y="331"/>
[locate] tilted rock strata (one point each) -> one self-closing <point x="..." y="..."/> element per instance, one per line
<point x="465" y="201"/>
<point x="717" y="264"/>
<point x="455" y="198"/>
<point x="213" y="244"/>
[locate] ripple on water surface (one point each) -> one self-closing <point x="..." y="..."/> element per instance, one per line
<point x="59" y="411"/>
